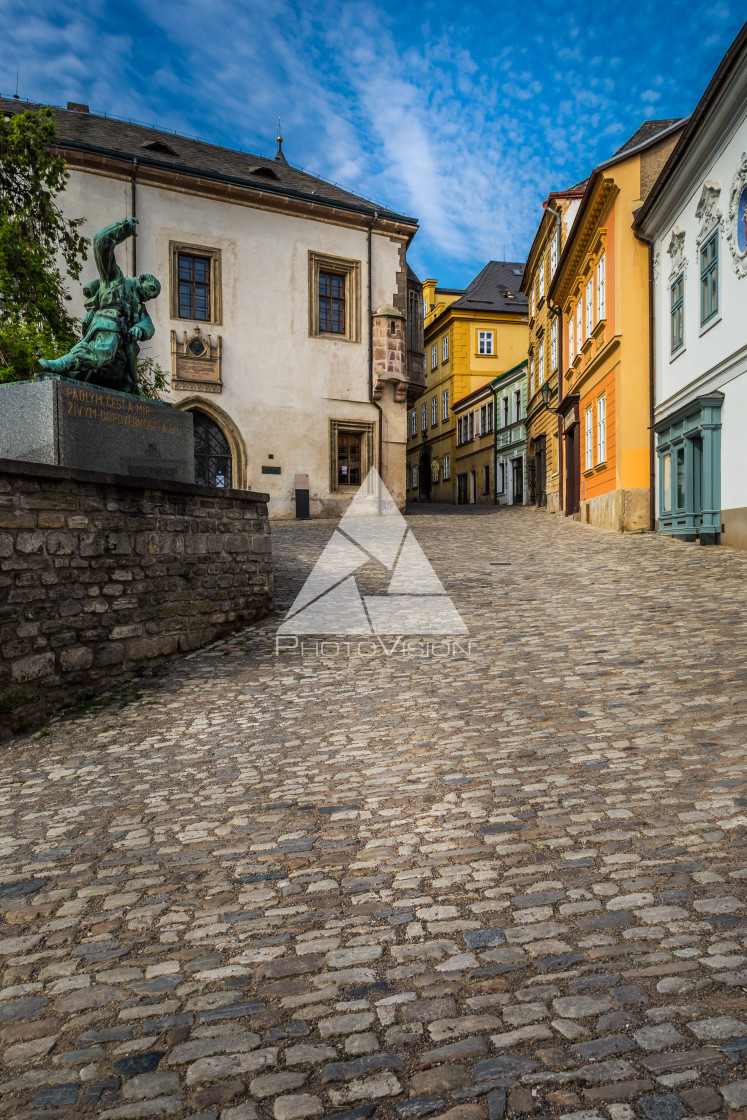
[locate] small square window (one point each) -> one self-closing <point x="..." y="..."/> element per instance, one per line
<point x="484" y="342"/>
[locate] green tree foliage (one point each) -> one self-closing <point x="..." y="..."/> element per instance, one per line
<point x="151" y="379"/>
<point x="35" y="239"/>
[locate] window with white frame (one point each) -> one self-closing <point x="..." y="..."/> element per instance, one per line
<point x="531" y="303"/>
<point x="483" y="419"/>
<point x="434" y="411"/>
<point x="434" y="356"/>
<point x="414" y="422"/>
<point x="553" y="255"/>
<point x="490" y="416"/>
<point x="423" y="417"/>
<point x="541" y="363"/>
<point x="445" y="348"/>
<point x="589" y="439"/>
<point x="589" y="307"/>
<point x="484" y="342"/>
<point x="601" y="430"/>
<point x="517" y="404"/>
<point x="445" y="405"/>
<point x="425" y="308"/>
<point x="531" y="377"/>
<point x="571" y="337"/>
<point x="553" y="345"/>
<point x="504" y="412"/>
<point x="600" y="289"/>
<point x="471" y="425"/>
<point x="542" y="279"/>
<point x="459" y="431"/>
<point x="579" y="325"/>
<point x="447" y="466"/>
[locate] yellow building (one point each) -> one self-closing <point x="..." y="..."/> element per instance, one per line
<point x="601" y="286"/>
<point x="544" y="434"/>
<point x="470" y="338"/>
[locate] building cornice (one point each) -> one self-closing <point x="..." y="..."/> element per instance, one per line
<point x="601" y="194"/>
<point x="226" y="188"/>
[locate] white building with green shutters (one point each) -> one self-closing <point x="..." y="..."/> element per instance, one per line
<point x="695" y="220"/>
<point x="511" y="477"/>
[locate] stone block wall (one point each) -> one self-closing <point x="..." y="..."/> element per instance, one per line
<point x="101" y="575"/>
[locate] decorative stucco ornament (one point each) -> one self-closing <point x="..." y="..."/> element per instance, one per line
<point x="114" y="323"/>
<point x="736" y="224"/>
<point x="676" y="252"/>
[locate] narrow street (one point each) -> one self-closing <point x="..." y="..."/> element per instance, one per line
<point x="506" y="878"/>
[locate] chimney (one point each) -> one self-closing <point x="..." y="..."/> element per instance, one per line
<point x="77" y="107"/>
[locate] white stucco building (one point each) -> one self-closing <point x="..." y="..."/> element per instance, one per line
<point x="695" y="219"/>
<point x="288" y="319"/>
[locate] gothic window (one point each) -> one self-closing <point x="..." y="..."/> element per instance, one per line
<point x="213" y="465"/>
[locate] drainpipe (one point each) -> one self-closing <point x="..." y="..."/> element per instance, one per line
<point x="370" y="348"/>
<point x="133" y="193"/>
<point x="651" y="436"/>
<point x="559" y="317"/>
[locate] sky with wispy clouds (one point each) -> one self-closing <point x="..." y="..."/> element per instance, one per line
<point x="463" y="114"/>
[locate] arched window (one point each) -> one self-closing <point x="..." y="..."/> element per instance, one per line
<point x="213" y="465"/>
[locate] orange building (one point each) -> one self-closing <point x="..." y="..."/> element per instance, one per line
<point x="602" y="289"/>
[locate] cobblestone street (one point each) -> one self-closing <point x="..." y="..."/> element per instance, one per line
<point x="507" y="881"/>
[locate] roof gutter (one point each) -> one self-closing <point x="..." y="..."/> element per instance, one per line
<point x="651" y="379"/>
<point x="374" y="402"/>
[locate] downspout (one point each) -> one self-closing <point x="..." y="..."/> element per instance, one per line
<point x="559" y="318"/>
<point x="133" y="194"/>
<point x="651" y="435"/>
<point x="370" y="348"/>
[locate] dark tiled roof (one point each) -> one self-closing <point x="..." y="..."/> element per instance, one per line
<point x="151" y="146"/>
<point x="647" y="131"/>
<point x="411" y="275"/>
<point x="496" y="288"/>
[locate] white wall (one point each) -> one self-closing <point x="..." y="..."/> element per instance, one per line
<point x="714" y="358"/>
<point x="280" y="386"/>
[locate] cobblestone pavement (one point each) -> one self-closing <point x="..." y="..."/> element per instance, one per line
<point x="510" y="882"/>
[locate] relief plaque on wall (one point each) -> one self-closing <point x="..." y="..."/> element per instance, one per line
<point x="196" y="362"/>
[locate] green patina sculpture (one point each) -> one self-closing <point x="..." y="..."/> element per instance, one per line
<point x="115" y="320"/>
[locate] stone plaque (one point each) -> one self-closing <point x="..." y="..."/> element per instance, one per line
<point x="196" y="363"/>
<point x="72" y="424"/>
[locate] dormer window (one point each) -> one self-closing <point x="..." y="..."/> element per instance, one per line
<point x="263" y="173"/>
<point x="158" y="147"/>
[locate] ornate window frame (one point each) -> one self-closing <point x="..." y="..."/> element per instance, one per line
<point x="216" y="283"/>
<point x="738" y="185"/>
<point x="365" y="428"/>
<point x="351" y="270"/>
<point x="711" y="218"/>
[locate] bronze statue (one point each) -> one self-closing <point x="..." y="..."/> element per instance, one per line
<point x="115" y="320"/>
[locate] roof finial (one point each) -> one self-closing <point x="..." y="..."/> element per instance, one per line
<point x="15" y="95"/>
<point x="279" y="155"/>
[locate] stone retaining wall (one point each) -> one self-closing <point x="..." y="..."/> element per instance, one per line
<point x="101" y="575"/>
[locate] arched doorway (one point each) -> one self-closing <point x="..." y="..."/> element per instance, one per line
<point x="213" y="465"/>
<point x="217" y="439"/>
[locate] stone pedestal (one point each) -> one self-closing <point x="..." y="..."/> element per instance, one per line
<point x="70" y="424"/>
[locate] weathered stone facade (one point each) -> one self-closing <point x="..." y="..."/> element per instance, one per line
<point x="102" y="575"/>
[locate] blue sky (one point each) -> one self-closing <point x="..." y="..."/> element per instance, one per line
<point x="464" y="115"/>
